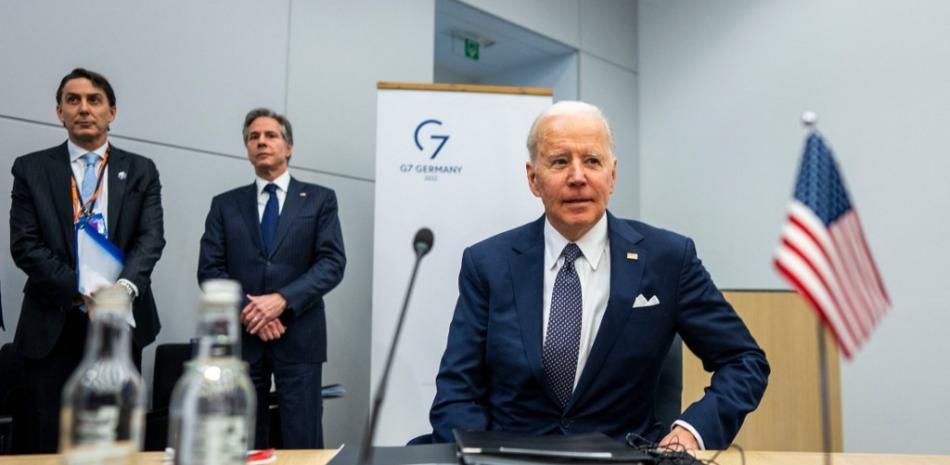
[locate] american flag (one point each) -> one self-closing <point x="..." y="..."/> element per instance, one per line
<point x="823" y="254"/>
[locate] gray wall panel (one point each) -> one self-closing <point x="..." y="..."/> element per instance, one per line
<point x="614" y="90"/>
<point x="184" y="72"/>
<point x="559" y="74"/>
<point x="556" y="19"/>
<point x="607" y="30"/>
<point x="336" y="62"/>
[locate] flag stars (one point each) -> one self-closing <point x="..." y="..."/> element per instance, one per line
<point x="820" y="185"/>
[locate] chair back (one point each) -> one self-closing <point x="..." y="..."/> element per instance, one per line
<point x="169" y="365"/>
<point x="669" y="391"/>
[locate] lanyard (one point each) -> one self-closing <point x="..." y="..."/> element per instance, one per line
<point x="84" y="209"/>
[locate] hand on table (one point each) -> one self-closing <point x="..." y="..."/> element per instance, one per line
<point x="679" y="438"/>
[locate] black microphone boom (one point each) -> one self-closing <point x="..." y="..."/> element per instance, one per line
<point x="422" y="244"/>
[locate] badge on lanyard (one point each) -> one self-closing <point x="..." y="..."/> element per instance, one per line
<point x="83" y="208"/>
<point x="98" y="223"/>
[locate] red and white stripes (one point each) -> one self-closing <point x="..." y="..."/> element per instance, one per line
<point x="833" y="269"/>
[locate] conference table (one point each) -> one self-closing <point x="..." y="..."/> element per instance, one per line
<point x="445" y="453"/>
<point x="284" y="457"/>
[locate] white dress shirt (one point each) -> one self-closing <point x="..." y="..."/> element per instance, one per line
<point x="78" y="164"/>
<point x="282" y="181"/>
<point x="593" y="271"/>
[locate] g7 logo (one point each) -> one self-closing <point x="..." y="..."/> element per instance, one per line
<point x="442" y="138"/>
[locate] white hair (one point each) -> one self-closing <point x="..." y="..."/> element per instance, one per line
<point x="563" y="108"/>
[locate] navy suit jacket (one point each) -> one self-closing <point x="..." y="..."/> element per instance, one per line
<point x="492" y="378"/>
<point x="306" y="262"/>
<point x="42" y="241"/>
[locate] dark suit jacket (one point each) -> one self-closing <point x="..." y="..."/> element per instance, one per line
<point x="492" y="377"/>
<point x="43" y="241"/>
<point x="306" y="262"/>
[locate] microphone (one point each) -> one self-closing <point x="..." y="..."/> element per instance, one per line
<point x="421" y="244"/>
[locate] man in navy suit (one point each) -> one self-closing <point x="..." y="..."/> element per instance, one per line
<point x="562" y="324"/>
<point x="120" y="193"/>
<point x="280" y="238"/>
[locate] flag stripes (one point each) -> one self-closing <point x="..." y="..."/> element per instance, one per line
<point x="823" y="254"/>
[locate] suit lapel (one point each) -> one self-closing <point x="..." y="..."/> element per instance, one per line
<point x="527" y="280"/>
<point x="625" y="276"/>
<point x="60" y="182"/>
<point x="118" y="163"/>
<point x="293" y="202"/>
<point x="247" y="206"/>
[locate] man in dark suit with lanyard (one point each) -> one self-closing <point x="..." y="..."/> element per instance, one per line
<point x="280" y="238"/>
<point x="119" y="194"/>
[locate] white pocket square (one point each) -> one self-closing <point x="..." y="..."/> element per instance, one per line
<point x="641" y="301"/>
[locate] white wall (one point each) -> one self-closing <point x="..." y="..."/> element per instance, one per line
<point x="559" y="74"/>
<point x="187" y="72"/>
<point x="604" y="32"/>
<point x="722" y="86"/>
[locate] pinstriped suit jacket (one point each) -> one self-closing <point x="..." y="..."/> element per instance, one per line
<point x="307" y="261"/>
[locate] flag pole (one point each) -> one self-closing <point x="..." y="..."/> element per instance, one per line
<point x="809" y="120"/>
<point x="823" y="377"/>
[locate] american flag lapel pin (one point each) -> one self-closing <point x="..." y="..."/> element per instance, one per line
<point x="632" y="256"/>
<point x="303" y="194"/>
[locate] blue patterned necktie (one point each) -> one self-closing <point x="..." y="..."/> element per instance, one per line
<point x="269" y="220"/>
<point x="89" y="179"/>
<point x="564" y="328"/>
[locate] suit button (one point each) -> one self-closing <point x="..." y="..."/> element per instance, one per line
<point x="267" y="263"/>
<point x="566" y="424"/>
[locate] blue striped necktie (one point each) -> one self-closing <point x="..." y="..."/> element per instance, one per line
<point x="89" y="179"/>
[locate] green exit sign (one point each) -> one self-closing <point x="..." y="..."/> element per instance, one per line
<point x="471" y="49"/>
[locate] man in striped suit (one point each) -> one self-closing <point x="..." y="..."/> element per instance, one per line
<point x="281" y="239"/>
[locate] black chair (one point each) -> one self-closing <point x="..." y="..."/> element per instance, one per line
<point x="669" y="389"/>
<point x="10" y="386"/>
<point x="420" y="440"/>
<point x="169" y="365"/>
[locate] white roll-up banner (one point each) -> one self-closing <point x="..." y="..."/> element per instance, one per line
<point x="454" y="162"/>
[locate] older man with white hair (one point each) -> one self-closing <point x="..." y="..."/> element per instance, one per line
<point x="562" y="325"/>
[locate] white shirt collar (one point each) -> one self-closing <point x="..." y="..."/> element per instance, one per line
<point x="592" y="244"/>
<point x="282" y="181"/>
<point x="76" y="152"/>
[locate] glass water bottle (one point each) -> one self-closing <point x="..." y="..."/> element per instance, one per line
<point x="104" y="399"/>
<point x="213" y="404"/>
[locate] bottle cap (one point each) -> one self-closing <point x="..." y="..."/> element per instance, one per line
<point x="221" y="291"/>
<point x="113" y="299"/>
